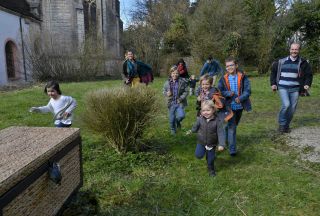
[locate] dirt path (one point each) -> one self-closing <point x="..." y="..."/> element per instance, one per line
<point x="307" y="139"/>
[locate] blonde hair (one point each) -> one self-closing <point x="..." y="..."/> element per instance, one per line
<point x="206" y="77"/>
<point x="173" y="69"/>
<point x="208" y="103"/>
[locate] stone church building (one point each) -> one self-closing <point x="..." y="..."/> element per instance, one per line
<point x="67" y="23"/>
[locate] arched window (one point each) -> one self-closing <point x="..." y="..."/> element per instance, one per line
<point x="90" y="17"/>
<point x="11" y="60"/>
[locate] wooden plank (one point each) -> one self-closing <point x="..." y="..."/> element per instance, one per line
<point x="23" y="149"/>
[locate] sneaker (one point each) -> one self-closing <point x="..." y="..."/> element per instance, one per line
<point x="287" y="129"/>
<point x="178" y="125"/>
<point x="281" y="129"/>
<point x="212" y="173"/>
<point x="233" y="154"/>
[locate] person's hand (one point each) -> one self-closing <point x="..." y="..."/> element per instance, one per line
<point x="231" y="94"/>
<point x="66" y="115"/>
<point x="237" y="100"/>
<point x="34" y="109"/>
<point x="199" y="98"/>
<point x="274" y="88"/>
<point x="220" y="148"/>
<point x="306" y="87"/>
<point x="188" y="132"/>
<point x="169" y="93"/>
<point x="178" y="101"/>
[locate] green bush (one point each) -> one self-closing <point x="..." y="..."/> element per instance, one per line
<point x="121" y="115"/>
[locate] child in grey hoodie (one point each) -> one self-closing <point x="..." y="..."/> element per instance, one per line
<point x="210" y="132"/>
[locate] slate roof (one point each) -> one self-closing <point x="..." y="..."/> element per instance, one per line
<point x="18" y="6"/>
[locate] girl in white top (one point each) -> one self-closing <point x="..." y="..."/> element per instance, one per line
<point x="61" y="106"/>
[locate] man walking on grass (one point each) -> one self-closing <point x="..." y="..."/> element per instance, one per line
<point x="291" y="76"/>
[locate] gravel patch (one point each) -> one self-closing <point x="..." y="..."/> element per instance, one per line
<point x="307" y="140"/>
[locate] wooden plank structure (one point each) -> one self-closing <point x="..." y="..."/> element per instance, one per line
<point x="26" y="154"/>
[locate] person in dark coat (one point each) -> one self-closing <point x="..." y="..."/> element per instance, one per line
<point x="136" y="72"/>
<point x="291" y="77"/>
<point x="182" y="69"/>
<point x="210" y="134"/>
<point x="175" y="89"/>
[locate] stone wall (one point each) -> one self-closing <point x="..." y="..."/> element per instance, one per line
<point x="62" y="22"/>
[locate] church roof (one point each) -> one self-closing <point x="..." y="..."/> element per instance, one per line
<point x="18" y="6"/>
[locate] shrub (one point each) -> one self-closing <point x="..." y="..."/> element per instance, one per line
<point x="50" y="60"/>
<point x="121" y="115"/>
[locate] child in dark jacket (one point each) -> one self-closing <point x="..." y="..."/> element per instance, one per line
<point x="192" y="84"/>
<point x="176" y="91"/>
<point x="210" y="132"/>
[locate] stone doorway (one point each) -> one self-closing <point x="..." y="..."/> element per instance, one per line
<point x="12" y="60"/>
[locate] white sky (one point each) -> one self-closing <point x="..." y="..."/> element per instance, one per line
<point x="125" y="7"/>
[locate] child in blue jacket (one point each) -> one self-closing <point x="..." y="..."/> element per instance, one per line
<point x="235" y="87"/>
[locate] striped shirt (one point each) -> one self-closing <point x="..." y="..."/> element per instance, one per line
<point x="289" y="74"/>
<point x="233" y="80"/>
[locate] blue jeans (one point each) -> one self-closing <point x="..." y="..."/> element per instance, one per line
<point x="231" y="130"/>
<point x="61" y="125"/>
<point x="176" y="115"/>
<point x="210" y="155"/>
<point x="289" y="101"/>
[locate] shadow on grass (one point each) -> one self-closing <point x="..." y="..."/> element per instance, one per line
<point x="152" y="199"/>
<point x="247" y="148"/>
<point x="83" y="203"/>
<point x="154" y="145"/>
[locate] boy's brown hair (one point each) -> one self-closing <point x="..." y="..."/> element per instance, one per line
<point x="206" y="77"/>
<point x="231" y="59"/>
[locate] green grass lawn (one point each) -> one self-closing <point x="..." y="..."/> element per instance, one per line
<point x="266" y="178"/>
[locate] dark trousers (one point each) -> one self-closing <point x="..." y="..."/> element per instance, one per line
<point x="210" y="155"/>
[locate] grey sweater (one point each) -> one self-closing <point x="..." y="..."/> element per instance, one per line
<point x="209" y="133"/>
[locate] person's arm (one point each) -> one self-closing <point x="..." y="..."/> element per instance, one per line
<point x="166" y="89"/>
<point x="124" y="69"/>
<point x="185" y="91"/>
<point x="223" y="89"/>
<point x="217" y="68"/>
<point x="273" y="75"/>
<point x="221" y="133"/>
<point x="196" y="126"/>
<point x="42" y="109"/>
<point x="204" y="69"/>
<point x="72" y="104"/>
<point x="308" y="75"/>
<point x="198" y="90"/>
<point x="246" y="89"/>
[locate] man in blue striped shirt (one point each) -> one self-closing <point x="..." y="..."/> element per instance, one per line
<point x="290" y="76"/>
